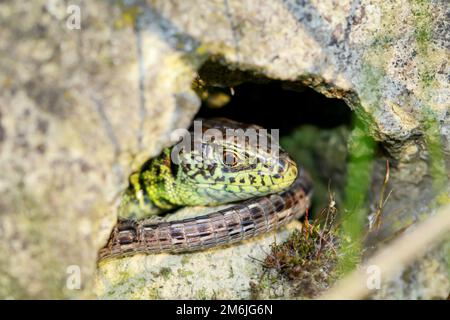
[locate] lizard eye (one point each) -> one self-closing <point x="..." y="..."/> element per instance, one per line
<point x="230" y="159"/>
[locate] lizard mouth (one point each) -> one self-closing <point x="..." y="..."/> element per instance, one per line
<point x="287" y="170"/>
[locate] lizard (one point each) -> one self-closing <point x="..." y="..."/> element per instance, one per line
<point x="266" y="189"/>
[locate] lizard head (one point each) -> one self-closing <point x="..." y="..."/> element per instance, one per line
<point x="229" y="161"/>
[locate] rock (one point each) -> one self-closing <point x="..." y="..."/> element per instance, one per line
<point x="82" y="108"/>
<point x="77" y="115"/>
<point x="426" y="278"/>
<point x="220" y="273"/>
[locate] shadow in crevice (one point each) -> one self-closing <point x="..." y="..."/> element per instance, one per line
<point x="273" y="106"/>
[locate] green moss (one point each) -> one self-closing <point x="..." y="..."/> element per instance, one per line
<point x="427" y="77"/>
<point x="382" y="41"/>
<point x="326" y="149"/>
<point x="443" y="198"/>
<point x="423" y="27"/>
<point x="436" y="160"/>
<point x="423" y="22"/>
<point x="10" y="286"/>
<point x="202" y="294"/>
<point x="373" y="76"/>
<point x="184" y="260"/>
<point x="123" y="275"/>
<point x="165" y="272"/>
<point x="154" y="294"/>
<point x="184" y="273"/>
<point x="359" y="175"/>
<point x="130" y="14"/>
<point x="420" y="10"/>
<point x="422" y="36"/>
<point x="307" y="259"/>
<point x="446" y="248"/>
<point x="231" y="273"/>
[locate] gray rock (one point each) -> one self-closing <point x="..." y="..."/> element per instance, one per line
<point x="78" y="114"/>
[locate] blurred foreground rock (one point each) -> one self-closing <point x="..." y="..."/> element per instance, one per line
<point x="77" y="115"/>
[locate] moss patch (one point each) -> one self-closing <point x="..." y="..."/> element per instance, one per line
<point x="307" y="260"/>
<point x="326" y="149"/>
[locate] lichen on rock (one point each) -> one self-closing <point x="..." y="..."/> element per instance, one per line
<point x="218" y="273"/>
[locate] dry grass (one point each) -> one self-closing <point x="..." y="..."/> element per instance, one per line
<point x="401" y="252"/>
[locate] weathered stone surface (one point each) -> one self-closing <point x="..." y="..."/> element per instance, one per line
<point x="220" y="273"/>
<point x="77" y="114"/>
<point x="80" y="109"/>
